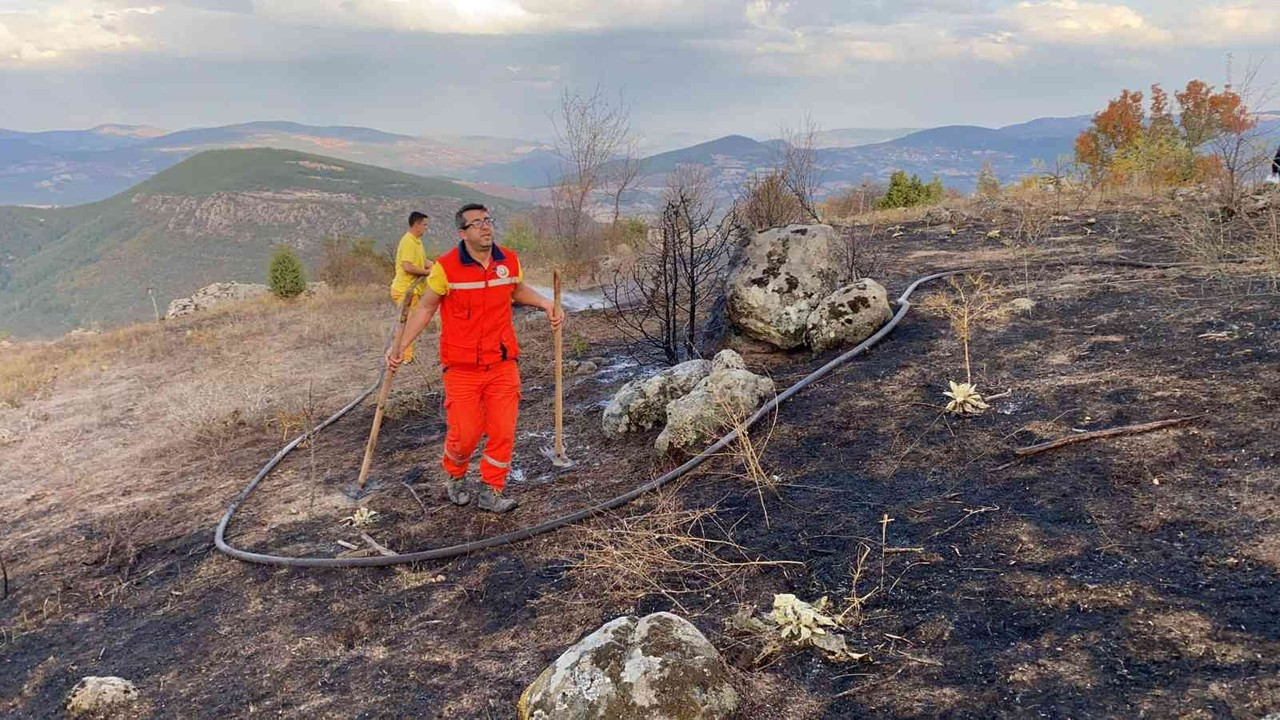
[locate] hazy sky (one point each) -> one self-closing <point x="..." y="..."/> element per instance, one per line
<point x="706" y="67"/>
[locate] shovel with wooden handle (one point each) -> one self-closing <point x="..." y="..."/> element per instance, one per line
<point x="384" y="393"/>
<point x="555" y="453"/>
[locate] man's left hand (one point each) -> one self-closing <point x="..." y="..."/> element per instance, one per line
<point x="555" y="318"/>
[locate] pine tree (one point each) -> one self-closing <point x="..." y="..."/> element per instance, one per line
<point x="988" y="183"/>
<point x="286" y="276"/>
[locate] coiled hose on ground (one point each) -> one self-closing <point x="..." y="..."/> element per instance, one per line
<point x="903" y="305"/>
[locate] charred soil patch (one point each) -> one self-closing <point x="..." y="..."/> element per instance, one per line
<point x="1132" y="576"/>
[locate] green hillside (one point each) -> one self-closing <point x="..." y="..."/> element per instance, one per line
<point x="214" y="217"/>
<point x="216" y="171"/>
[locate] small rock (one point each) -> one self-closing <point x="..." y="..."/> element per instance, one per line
<point x="642" y="404"/>
<point x="585" y="368"/>
<point x="727" y="395"/>
<point x="659" y="666"/>
<point x="848" y="316"/>
<point x="97" y="695"/>
<point x="1022" y="304"/>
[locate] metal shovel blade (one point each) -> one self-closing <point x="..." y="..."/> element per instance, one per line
<point x="356" y="492"/>
<point x="560" y="460"/>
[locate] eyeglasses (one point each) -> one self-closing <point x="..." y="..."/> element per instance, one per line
<point x="479" y="221"/>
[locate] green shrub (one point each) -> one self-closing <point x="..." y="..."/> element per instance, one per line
<point x="286" y="276"/>
<point x="907" y="191"/>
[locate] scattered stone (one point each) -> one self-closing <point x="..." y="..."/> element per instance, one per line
<point x="848" y="316"/>
<point x="8" y="436"/>
<point x="84" y="332"/>
<point x="659" y="666"/>
<point x="780" y="277"/>
<point x="1022" y="304"/>
<point x="218" y="293"/>
<point x="730" y="393"/>
<point x="98" y="695"/>
<point x="642" y="404"/>
<point x="215" y="294"/>
<point x="583" y="367"/>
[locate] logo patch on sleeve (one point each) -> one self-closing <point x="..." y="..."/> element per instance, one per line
<point x="503" y="271"/>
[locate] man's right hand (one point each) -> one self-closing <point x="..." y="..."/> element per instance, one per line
<point x="395" y="356"/>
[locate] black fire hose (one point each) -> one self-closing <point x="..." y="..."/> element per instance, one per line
<point x="454" y="550"/>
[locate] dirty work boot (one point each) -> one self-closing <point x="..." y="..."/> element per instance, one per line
<point x="489" y="499"/>
<point x="458" y="490"/>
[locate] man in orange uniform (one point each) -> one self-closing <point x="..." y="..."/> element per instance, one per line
<point x="473" y="285"/>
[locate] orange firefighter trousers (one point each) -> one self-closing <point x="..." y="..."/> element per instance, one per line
<point x="482" y="400"/>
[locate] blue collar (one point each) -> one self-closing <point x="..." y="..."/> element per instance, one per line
<point x="498" y="255"/>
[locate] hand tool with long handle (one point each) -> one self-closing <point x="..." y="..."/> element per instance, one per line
<point x="556" y="452"/>
<point x="384" y="393"/>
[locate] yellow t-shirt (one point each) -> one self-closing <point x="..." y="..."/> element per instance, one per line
<point x="411" y="249"/>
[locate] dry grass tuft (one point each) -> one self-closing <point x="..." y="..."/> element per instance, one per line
<point x="1209" y="237"/>
<point x="746" y="453"/>
<point x="669" y="550"/>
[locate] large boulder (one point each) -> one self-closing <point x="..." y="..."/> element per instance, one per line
<point x="781" y="276"/>
<point x="848" y="316"/>
<point x="642" y="404"/>
<point x="99" y="696"/>
<point x="729" y="394"/>
<point x="656" y="668"/>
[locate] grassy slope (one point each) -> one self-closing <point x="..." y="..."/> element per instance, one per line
<point x="92" y="263"/>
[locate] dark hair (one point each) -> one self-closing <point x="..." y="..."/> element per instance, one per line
<point x="415" y="217"/>
<point x="457" y="217"/>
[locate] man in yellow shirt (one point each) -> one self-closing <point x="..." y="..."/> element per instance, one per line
<point x="411" y="262"/>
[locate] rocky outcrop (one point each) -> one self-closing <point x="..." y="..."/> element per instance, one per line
<point x="780" y="277"/>
<point x="642" y="404"/>
<point x="99" y="696"/>
<point x="730" y="393"/>
<point x="848" y="316"/>
<point x="218" y="293"/>
<point x="214" y="294"/>
<point x="659" y="667"/>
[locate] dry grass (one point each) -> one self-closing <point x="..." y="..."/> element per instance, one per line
<point x="746" y="453"/>
<point x="668" y="550"/>
<point x="1209" y="237"/>
<point x="28" y="369"/>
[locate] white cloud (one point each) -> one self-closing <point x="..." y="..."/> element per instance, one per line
<point x="492" y="17"/>
<point x="1071" y="22"/>
<point x="65" y="29"/>
<point x="1240" y="22"/>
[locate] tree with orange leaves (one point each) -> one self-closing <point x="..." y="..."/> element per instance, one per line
<point x="1124" y="142"/>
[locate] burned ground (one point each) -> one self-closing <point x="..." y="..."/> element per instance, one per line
<point x="1126" y="577"/>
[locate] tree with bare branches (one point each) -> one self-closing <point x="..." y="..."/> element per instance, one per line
<point x="661" y="299"/>
<point x="591" y="135"/>
<point x="786" y="192"/>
